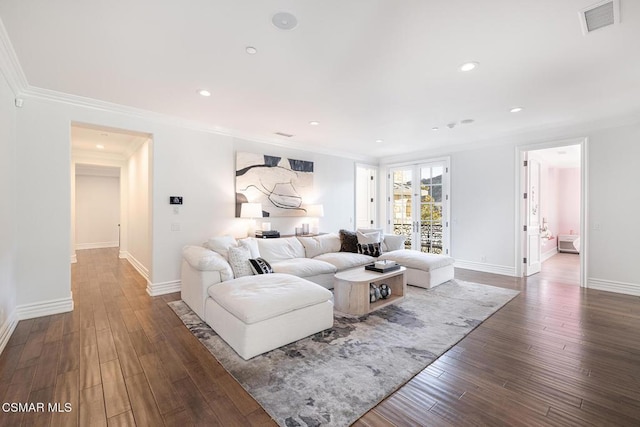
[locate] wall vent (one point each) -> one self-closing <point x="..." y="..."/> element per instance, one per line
<point x="287" y="135"/>
<point x="600" y="15"/>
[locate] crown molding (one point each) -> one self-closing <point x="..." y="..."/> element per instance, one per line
<point x="166" y="119"/>
<point x="9" y="64"/>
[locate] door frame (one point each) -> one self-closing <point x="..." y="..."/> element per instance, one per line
<point x="520" y="151"/>
<point x="446" y="202"/>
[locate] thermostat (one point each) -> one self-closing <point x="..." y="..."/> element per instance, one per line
<point x="175" y="200"/>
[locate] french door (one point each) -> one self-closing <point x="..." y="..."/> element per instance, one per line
<point x="419" y="205"/>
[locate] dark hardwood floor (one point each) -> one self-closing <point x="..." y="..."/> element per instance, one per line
<point x="555" y="355"/>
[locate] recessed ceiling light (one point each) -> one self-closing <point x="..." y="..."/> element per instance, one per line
<point x="435" y="128"/>
<point x="516" y="109"/>
<point x="284" y="21"/>
<point x="251" y="50"/>
<point x="379" y="141"/>
<point x="468" y="66"/>
<point x="100" y="147"/>
<point x="314" y="123"/>
<point x="467" y="121"/>
<point x="204" y="92"/>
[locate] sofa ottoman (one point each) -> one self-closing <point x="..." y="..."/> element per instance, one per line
<point x="423" y="270"/>
<point x="256" y="314"/>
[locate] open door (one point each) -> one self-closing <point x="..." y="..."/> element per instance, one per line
<point x="533" y="248"/>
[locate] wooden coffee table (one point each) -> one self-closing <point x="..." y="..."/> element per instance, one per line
<point x="351" y="289"/>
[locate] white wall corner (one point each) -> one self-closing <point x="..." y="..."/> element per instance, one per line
<point x="503" y="270"/>
<point x="45" y="308"/>
<point x="7" y="329"/>
<point x="123" y="254"/>
<point x="613" y="286"/>
<point x="9" y="64"/>
<point x="144" y="271"/>
<point x="155" y="289"/>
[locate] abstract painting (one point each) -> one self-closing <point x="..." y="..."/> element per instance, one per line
<point x="283" y="186"/>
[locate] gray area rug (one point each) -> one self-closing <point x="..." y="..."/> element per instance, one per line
<point x="335" y="377"/>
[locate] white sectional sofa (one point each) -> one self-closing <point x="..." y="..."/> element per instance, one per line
<point x="258" y="313"/>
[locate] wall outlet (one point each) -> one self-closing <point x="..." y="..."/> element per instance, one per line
<point x="175" y="226"/>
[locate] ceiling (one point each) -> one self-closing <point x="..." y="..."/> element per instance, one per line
<point x="377" y="75"/>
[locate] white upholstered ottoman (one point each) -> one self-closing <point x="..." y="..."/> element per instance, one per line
<point x="423" y="270"/>
<point x="255" y="314"/>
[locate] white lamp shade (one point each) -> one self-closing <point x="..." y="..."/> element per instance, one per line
<point x="315" y="211"/>
<point x="251" y="210"/>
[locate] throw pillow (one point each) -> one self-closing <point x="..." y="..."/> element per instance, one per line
<point x="260" y="266"/>
<point x="369" y="243"/>
<point x="348" y="241"/>
<point x="371" y="249"/>
<point x="239" y="261"/>
<point x="369" y="237"/>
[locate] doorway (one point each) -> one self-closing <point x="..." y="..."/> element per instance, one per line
<point x="127" y="155"/>
<point x="419" y="205"/>
<point x="552" y="200"/>
<point x="365" y="195"/>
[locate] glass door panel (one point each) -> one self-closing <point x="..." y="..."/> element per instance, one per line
<point x="402" y="199"/>
<point x="431" y="209"/>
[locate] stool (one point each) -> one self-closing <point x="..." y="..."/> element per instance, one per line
<point x="423" y="270"/>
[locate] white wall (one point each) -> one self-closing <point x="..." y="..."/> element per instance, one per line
<point x="139" y="223"/>
<point x="7" y="212"/>
<point x="97" y="211"/>
<point x="482" y="208"/>
<point x="614" y="209"/>
<point x="569" y="200"/>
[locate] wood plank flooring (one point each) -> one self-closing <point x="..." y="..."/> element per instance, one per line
<point x="556" y="355"/>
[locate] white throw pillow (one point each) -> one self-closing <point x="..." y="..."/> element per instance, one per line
<point x="252" y="244"/>
<point x="239" y="261"/>
<point x="367" y="238"/>
<point x="221" y="245"/>
<point x="318" y="245"/>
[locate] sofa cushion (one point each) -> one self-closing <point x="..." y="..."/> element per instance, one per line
<point x="303" y="267"/>
<point x="257" y="298"/>
<point x="274" y="250"/>
<point x="322" y="244"/>
<point x="345" y="260"/>
<point x="221" y="245"/>
<point x="418" y="260"/>
<point x="348" y="241"/>
<point x="204" y="259"/>
<point x="239" y="261"/>
<point x="392" y="242"/>
<point x="260" y="266"/>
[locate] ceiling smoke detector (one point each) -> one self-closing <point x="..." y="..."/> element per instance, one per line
<point x="286" y="135"/>
<point x="284" y="21"/>
<point x="599" y="15"/>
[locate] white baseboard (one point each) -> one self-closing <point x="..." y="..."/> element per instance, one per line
<point x="44" y="308"/>
<point x="485" y="268"/>
<point x="123" y="254"/>
<point x="74" y="259"/>
<point x="155" y="289"/>
<point x="613" y="286"/>
<point x="549" y="254"/>
<point x="7" y="329"/>
<point x="97" y="245"/>
<point x="144" y="271"/>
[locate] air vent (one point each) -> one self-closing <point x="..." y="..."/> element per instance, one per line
<point x="600" y="15"/>
<point x="286" y="135"/>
